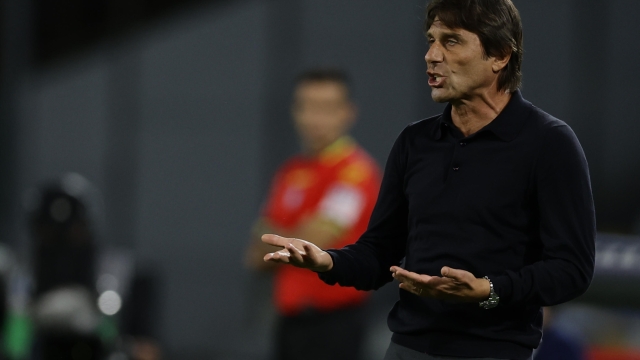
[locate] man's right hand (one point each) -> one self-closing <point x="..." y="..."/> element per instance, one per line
<point x="299" y="253"/>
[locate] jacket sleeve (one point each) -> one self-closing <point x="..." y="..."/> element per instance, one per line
<point x="566" y="227"/>
<point x="365" y="264"/>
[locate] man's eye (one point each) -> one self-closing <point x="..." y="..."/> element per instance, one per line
<point x="451" y="42"/>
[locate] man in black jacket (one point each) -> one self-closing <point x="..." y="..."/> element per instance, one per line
<point x="485" y="213"/>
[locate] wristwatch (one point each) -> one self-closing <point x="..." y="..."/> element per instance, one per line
<point x="493" y="299"/>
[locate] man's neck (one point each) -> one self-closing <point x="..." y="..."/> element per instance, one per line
<point x="471" y="115"/>
<point x="320" y="149"/>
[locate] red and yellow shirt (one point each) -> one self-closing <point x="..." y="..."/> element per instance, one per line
<point x="341" y="185"/>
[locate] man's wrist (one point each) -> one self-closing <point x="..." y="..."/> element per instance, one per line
<point x="325" y="263"/>
<point x="484" y="289"/>
<point x="329" y="263"/>
<point x="492" y="299"/>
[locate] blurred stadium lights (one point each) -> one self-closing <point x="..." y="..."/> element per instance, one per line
<point x="109" y="302"/>
<point x="618" y="255"/>
<point x="617" y="272"/>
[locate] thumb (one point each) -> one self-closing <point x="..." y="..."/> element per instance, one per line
<point x="453" y="273"/>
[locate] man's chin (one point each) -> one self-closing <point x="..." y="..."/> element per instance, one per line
<point x="439" y="96"/>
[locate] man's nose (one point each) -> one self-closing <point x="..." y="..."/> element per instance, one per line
<point x="434" y="54"/>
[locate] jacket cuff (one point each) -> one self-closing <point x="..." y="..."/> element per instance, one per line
<point x="503" y="287"/>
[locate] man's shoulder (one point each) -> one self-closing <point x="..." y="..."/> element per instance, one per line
<point x="424" y="123"/>
<point x="423" y="126"/>
<point x="543" y="120"/>
<point x="548" y="130"/>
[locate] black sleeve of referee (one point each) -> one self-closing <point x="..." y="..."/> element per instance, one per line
<point x="365" y="264"/>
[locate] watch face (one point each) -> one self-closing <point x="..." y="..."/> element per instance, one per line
<point x="490" y="303"/>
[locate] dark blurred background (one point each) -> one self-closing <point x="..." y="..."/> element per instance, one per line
<point x="178" y="112"/>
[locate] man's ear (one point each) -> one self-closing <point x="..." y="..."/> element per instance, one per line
<point x="500" y="62"/>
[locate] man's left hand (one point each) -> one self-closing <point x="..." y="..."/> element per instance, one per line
<point x="454" y="285"/>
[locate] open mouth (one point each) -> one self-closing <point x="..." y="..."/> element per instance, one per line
<point x="436" y="80"/>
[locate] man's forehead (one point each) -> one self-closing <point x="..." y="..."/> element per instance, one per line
<point x="438" y="27"/>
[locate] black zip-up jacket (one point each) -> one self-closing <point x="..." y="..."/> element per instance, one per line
<point x="512" y="202"/>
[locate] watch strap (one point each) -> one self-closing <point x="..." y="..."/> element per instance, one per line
<point x="493" y="299"/>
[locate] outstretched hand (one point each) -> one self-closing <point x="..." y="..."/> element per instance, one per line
<point x="297" y="252"/>
<point x="454" y="285"/>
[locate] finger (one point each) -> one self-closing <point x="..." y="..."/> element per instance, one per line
<point x="275" y="240"/>
<point x="282" y="256"/>
<point x="296" y="255"/>
<point x="310" y="253"/>
<point x="409" y="284"/>
<point x="398" y="271"/>
<point x="400" y="277"/>
<point x="410" y="276"/>
<point x="456" y="274"/>
<point x="410" y="288"/>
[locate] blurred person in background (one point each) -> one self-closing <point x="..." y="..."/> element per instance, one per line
<point x="74" y="306"/>
<point x="556" y="344"/>
<point x="485" y="212"/>
<point x="326" y="195"/>
<point x="65" y="312"/>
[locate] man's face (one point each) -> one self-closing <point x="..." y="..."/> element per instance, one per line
<point x="322" y="113"/>
<point x="456" y="64"/>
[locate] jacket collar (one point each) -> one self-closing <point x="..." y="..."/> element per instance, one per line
<point x="506" y="126"/>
